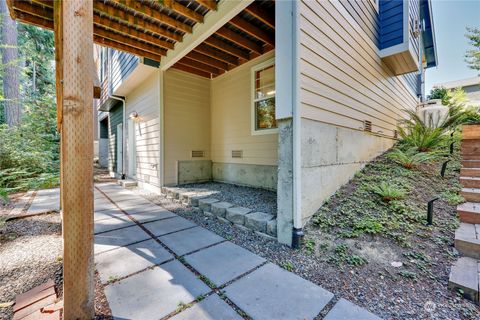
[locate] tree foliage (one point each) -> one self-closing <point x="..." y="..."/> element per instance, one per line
<point x="472" y="56"/>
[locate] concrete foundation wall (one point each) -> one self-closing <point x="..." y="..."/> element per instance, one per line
<point x="250" y="175"/>
<point x="191" y="171"/>
<point x="330" y="157"/>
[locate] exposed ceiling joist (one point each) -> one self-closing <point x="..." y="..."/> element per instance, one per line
<point x="208" y="60"/>
<point x="188" y="69"/>
<point x="262" y="14"/>
<point x="201" y="66"/>
<point x="236" y="38"/>
<point x="219" y="44"/>
<point x="123" y="47"/>
<point x="219" y="55"/>
<point x="253" y="30"/>
<point x="209" y="4"/>
<point x="182" y="10"/>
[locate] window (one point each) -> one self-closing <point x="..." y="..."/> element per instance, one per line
<point x="263" y="98"/>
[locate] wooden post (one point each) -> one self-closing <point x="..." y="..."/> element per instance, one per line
<point x="74" y="45"/>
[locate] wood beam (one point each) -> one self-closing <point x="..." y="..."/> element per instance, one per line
<point x="183" y="11"/>
<point x="209" y="4"/>
<point x="219" y="55"/>
<point x="113" y="25"/>
<point x="129" y="41"/>
<point x="262" y="14"/>
<point x="76" y="27"/>
<point x="35" y="20"/>
<point x="201" y="66"/>
<point x="126" y="48"/>
<point x="33" y="9"/>
<point x="148" y="11"/>
<point x="220" y="45"/>
<point x="254" y="31"/>
<point x="134" y="22"/>
<point x="188" y="69"/>
<point x="238" y="39"/>
<point x="208" y="60"/>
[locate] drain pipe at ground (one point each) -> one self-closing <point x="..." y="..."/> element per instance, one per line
<point x="124" y="119"/>
<point x="297" y="231"/>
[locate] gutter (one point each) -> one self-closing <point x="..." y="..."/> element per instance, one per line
<point x="297" y="232"/>
<point x="124" y="119"/>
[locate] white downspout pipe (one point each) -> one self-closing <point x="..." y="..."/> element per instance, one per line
<point x="124" y="119"/>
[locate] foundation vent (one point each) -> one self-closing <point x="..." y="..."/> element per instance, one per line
<point x="367" y="126"/>
<point x="395" y="134"/>
<point x="237" y="153"/>
<point x="198" y="154"/>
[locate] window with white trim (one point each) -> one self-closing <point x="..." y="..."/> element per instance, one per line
<point x="263" y="98"/>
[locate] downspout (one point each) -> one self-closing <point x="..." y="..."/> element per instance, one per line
<point x="124" y="119"/>
<point x="297" y="232"/>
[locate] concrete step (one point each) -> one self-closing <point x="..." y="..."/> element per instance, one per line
<point x="127" y="183"/>
<point x="464" y="276"/>
<point x="471" y="194"/>
<point x="469" y="212"/>
<point x="471" y="163"/>
<point x="470" y="182"/>
<point x="466" y="240"/>
<point x="470" y="172"/>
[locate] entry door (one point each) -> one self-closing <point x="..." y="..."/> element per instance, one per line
<point x="131" y="149"/>
<point x="119" y="148"/>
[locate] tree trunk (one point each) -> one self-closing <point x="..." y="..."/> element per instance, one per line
<point x="11" y="72"/>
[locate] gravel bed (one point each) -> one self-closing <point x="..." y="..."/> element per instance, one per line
<point x="387" y="297"/>
<point x="252" y="198"/>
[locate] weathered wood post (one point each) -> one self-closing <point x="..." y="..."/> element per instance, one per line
<point x="74" y="57"/>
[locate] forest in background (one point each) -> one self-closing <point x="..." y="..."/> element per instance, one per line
<point x="29" y="142"/>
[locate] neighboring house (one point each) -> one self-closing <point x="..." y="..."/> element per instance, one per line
<point x="292" y="96"/>
<point x="471" y="86"/>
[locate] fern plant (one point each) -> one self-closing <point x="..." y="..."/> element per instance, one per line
<point x="389" y="192"/>
<point x="411" y="157"/>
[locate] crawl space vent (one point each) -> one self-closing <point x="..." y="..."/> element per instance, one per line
<point x="198" y="153"/>
<point x="237" y="154"/>
<point x="367" y="126"/>
<point x="395" y="134"/>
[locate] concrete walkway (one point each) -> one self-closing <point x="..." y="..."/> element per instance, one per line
<point x="157" y="265"/>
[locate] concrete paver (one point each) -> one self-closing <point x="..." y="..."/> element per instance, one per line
<point x="118" y="238"/>
<point x="189" y="240"/>
<point x="161" y="227"/>
<point x="114" y="223"/>
<point x="344" y="310"/>
<point x="212" y="308"/>
<point x="45" y="200"/>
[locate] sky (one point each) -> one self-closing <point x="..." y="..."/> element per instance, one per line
<point x="450" y="18"/>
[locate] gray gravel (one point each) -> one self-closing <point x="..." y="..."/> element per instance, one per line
<point x="252" y="198"/>
<point x="385" y="296"/>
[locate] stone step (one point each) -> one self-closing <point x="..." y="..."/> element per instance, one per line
<point x="470" y="182"/>
<point x="464" y="276"/>
<point x="128" y="183"/>
<point x="466" y="240"/>
<point x="471" y="163"/>
<point x="471" y="194"/>
<point x="469" y="212"/>
<point x="470" y="172"/>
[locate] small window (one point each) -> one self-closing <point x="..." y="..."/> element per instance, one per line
<point x="263" y="98"/>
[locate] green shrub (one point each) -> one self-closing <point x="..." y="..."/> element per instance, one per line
<point x="410" y="158"/>
<point x="388" y="191"/>
<point x="452" y="197"/>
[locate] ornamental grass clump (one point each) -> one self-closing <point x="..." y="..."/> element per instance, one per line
<point x="389" y="192"/>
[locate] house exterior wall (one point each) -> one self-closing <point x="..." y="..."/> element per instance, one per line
<point x="115" y="118"/>
<point x="231" y="117"/>
<point x="343" y="82"/>
<point x="186" y="125"/>
<point x="145" y="100"/>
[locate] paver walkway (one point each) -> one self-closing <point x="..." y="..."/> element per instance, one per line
<point x="158" y="265"/>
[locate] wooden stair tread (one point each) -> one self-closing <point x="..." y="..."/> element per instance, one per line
<point x="469" y="178"/>
<point x="470" y="207"/>
<point x="464" y="276"/>
<point x="469" y="212"/>
<point x="31" y="304"/>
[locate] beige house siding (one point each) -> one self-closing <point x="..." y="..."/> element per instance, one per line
<point x="343" y="82"/>
<point x="186" y="119"/>
<point x="145" y="100"/>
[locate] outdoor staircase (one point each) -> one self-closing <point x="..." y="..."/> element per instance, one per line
<point x="465" y="273"/>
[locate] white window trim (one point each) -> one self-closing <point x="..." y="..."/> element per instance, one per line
<point x="254" y="132"/>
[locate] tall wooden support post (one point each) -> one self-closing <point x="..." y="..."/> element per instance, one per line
<point x="74" y="45"/>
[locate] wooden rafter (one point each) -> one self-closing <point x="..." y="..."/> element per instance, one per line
<point x="209" y="4"/>
<point x="123" y="16"/>
<point x="208" y="60"/>
<point x="201" y="66"/>
<point x="123" y="47"/>
<point x="35" y="20"/>
<point x="130" y="32"/>
<point x="236" y="38"/>
<point x="219" y="55"/>
<point x="183" y="67"/>
<point x="253" y="30"/>
<point x="146" y="10"/>
<point x="183" y="11"/>
<point x="262" y="14"/>
<point x="221" y="45"/>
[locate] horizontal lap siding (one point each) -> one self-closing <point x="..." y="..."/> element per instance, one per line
<point x="231" y="120"/>
<point x="145" y="101"/>
<point x="122" y="65"/>
<point x="186" y="119"/>
<point x="343" y="80"/>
